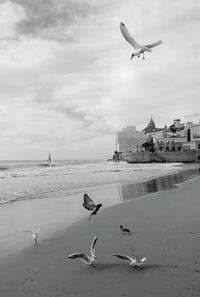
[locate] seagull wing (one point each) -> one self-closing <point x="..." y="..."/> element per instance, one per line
<point x="88" y="202"/>
<point x="135" y="257"/>
<point x="87" y="199"/>
<point x="88" y="206"/>
<point x="92" y="247"/>
<point x="123" y="257"/>
<point x="38" y="230"/>
<point x="154" y="44"/>
<point x="80" y="256"/>
<point x="128" y="36"/>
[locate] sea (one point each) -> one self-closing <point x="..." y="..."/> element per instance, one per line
<point x="32" y="194"/>
<point x="22" y="180"/>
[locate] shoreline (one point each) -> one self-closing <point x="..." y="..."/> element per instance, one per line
<point x="22" y="186"/>
<point x="94" y="188"/>
<point x="165" y="230"/>
<point x="109" y="195"/>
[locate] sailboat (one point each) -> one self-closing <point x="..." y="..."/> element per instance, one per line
<point x="49" y="160"/>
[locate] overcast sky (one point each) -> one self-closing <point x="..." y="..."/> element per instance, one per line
<point x="67" y="83"/>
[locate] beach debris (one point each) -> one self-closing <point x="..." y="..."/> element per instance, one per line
<point x="89" y="205"/>
<point x="134" y="261"/>
<point x="89" y="260"/>
<point x="35" y="234"/>
<point x="124" y="230"/>
<point x="138" y="49"/>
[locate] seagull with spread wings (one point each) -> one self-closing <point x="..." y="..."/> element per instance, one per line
<point x="133" y="261"/>
<point x="138" y="49"/>
<point x="89" y="260"/>
<point x="89" y="205"/>
<point x="34" y="234"/>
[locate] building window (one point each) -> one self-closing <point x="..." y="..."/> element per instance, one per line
<point x="167" y="148"/>
<point x="199" y="146"/>
<point x="179" y="148"/>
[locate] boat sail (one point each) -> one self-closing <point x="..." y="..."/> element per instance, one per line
<point x="49" y="160"/>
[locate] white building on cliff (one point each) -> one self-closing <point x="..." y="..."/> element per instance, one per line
<point x="130" y="140"/>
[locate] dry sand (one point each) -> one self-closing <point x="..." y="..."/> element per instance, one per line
<point x="166" y="230"/>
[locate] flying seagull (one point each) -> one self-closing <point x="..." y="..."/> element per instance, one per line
<point x="34" y="234"/>
<point x="138" y="49"/>
<point x="124" y="230"/>
<point x="133" y="261"/>
<point x="89" y="260"/>
<point x="89" y="205"/>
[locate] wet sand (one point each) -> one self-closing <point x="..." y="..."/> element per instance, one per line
<point x="165" y="229"/>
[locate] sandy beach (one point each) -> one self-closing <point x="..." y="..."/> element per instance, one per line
<point x="165" y="229"/>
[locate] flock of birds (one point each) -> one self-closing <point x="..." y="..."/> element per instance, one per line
<point x="90" y="260"/>
<point x="88" y="203"/>
<point x="134" y="261"/>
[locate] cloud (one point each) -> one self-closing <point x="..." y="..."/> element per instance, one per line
<point x="10" y="15"/>
<point x="53" y="19"/>
<point x="67" y="81"/>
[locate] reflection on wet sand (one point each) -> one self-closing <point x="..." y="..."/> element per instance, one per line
<point x="132" y="191"/>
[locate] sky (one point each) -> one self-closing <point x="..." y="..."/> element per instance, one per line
<point x="67" y="83"/>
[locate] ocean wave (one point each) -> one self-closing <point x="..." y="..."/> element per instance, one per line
<point x="77" y="168"/>
<point x="5" y="201"/>
<point x="27" y="180"/>
<point x="3" y="168"/>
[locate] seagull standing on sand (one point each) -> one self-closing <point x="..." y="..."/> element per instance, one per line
<point x="89" y="260"/>
<point x="138" y="49"/>
<point x="34" y="234"/>
<point x="124" y="230"/>
<point x="133" y="261"/>
<point x="89" y="205"/>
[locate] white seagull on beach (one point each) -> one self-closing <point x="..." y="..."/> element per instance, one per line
<point x="89" y="260"/>
<point x="133" y="261"/>
<point x="89" y="205"/>
<point x="138" y="49"/>
<point x="34" y="234"/>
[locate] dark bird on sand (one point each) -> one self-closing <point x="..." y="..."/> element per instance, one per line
<point x="89" y="205"/>
<point x="89" y="260"/>
<point x="124" y="230"/>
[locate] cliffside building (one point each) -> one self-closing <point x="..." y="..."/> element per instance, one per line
<point x="130" y="140"/>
